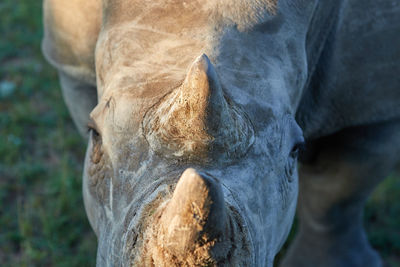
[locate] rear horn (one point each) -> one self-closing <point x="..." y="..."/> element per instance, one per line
<point x="197" y="119"/>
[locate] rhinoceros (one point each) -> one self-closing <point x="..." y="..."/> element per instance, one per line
<point x="197" y="112"/>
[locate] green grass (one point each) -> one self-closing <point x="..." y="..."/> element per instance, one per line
<point x="42" y="218"/>
<point x="382" y="220"/>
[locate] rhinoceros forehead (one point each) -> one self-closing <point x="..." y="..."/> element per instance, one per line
<point x="151" y="63"/>
<point x="176" y="16"/>
<point x="154" y="42"/>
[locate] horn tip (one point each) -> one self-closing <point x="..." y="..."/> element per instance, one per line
<point x="191" y="176"/>
<point x="202" y="57"/>
<point x="202" y="75"/>
<point x="203" y="63"/>
<point x="192" y="187"/>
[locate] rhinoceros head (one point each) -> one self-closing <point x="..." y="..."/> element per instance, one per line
<point x="190" y="163"/>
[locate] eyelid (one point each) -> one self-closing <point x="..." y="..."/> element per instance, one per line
<point x="93" y="125"/>
<point x="302" y="146"/>
<point x="301" y="142"/>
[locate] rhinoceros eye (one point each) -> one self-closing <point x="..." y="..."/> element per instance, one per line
<point x="292" y="160"/>
<point x="96" y="143"/>
<point x="92" y="129"/>
<point x="95" y="134"/>
<point x="294" y="153"/>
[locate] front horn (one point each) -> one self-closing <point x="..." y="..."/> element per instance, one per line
<point x="192" y="222"/>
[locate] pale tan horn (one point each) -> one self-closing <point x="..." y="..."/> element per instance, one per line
<point x="193" y="220"/>
<point x="195" y="227"/>
<point x="197" y="119"/>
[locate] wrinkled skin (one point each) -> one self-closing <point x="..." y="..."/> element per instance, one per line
<point x="268" y="65"/>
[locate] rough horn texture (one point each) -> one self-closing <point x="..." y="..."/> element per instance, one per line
<point x="196" y="207"/>
<point x="193" y="228"/>
<point x="197" y="119"/>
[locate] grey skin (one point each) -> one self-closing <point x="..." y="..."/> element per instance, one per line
<point x="323" y="70"/>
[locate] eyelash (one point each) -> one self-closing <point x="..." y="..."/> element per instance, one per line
<point x="298" y="148"/>
<point x="90" y="128"/>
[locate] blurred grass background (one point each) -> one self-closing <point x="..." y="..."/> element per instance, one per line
<point x="42" y="218"/>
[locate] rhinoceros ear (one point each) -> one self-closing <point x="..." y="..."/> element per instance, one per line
<point x="197" y="119"/>
<point x="195" y="217"/>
